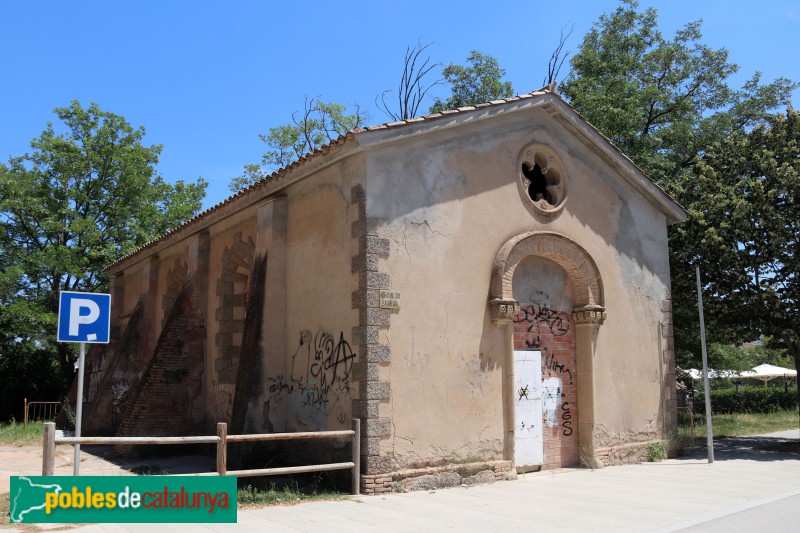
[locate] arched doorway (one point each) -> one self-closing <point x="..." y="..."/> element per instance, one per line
<point x="544" y="323"/>
<point x="546" y="292"/>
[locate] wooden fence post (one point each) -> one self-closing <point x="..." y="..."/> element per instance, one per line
<point x="222" y="448"/>
<point x="25" y="416"/>
<point x="49" y="449"/>
<point x="357" y="456"/>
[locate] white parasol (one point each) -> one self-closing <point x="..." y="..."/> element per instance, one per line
<point x="767" y="372"/>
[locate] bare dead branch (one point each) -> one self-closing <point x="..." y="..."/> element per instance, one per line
<point x="412" y="87"/>
<point x="558" y="57"/>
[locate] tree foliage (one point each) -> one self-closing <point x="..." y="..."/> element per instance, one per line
<point x="80" y="199"/>
<point x="319" y="123"/>
<point x="478" y="83"/>
<point x="669" y="105"/>
<point x="745" y="232"/>
<point x="740" y="358"/>
<point x="663" y="101"/>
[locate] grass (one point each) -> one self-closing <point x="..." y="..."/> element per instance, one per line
<point x="656" y="452"/>
<point x="254" y="496"/>
<point x="19" y="435"/>
<point x="743" y="424"/>
<point x="733" y="425"/>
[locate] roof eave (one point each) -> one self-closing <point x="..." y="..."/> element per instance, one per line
<point x="257" y="193"/>
<point x="568" y="117"/>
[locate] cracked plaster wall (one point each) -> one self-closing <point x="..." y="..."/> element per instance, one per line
<point x="446" y="212"/>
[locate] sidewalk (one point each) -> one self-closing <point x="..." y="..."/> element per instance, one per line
<point x="663" y="496"/>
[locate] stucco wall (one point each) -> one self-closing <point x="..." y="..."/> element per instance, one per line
<point x="316" y="388"/>
<point x="446" y="211"/>
<point x="225" y="308"/>
<point x="430" y="379"/>
<point x="311" y="388"/>
<point x="307" y="383"/>
<point x="172" y="274"/>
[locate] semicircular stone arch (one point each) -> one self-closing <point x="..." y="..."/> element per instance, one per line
<point x="576" y="355"/>
<point x="578" y="264"/>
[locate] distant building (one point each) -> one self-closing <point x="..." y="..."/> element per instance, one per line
<point x="391" y="276"/>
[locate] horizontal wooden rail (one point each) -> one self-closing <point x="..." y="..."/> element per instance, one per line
<point x="291" y="436"/>
<point x="137" y="440"/>
<point x="221" y="440"/>
<point x="290" y="470"/>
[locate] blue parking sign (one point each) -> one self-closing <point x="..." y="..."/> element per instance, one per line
<point x="84" y="317"/>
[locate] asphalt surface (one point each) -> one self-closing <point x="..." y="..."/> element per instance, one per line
<point x="747" y="488"/>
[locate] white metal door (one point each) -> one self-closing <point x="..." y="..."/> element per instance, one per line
<point x="528" y="441"/>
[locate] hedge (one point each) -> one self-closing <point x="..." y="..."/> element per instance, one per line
<point x="748" y="400"/>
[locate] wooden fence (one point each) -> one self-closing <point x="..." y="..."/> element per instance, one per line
<point x="221" y="439"/>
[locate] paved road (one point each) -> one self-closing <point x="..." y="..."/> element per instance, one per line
<point x="667" y="496"/>
<point x="780" y="515"/>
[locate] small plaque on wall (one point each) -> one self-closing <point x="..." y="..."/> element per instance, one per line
<point x="390" y="300"/>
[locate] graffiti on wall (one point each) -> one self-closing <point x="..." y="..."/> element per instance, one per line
<point x="319" y="382"/>
<point x="551" y="366"/>
<point x="551" y="399"/>
<point x="566" y="419"/>
<point x="542" y="320"/>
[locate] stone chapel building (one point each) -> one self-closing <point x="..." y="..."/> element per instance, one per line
<point x="395" y="276"/>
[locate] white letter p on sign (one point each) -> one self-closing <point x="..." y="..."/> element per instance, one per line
<point x="75" y="316"/>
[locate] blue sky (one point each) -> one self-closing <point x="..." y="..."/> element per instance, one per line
<point x="206" y="78"/>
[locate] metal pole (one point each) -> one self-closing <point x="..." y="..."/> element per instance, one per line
<point x="710" y="432"/>
<point x="79" y="410"/>
<point x="356" y="453"/>
<point x="25" y="416"/>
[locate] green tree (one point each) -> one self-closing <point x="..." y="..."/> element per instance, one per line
<point x="318" y="124"/>
<point x="79" y="200"/>
<point x="664" y="102"/>
<point x="478" y="83"/>
<point x="730" y="357"/>
<point x="744" y="232"/>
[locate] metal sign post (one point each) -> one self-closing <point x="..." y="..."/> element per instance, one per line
<point x="79" y="410"/>
<point x="710" y="432"/>
<point x="83" y="317"/>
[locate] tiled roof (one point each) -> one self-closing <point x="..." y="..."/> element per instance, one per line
<point x="344" y="139"/>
